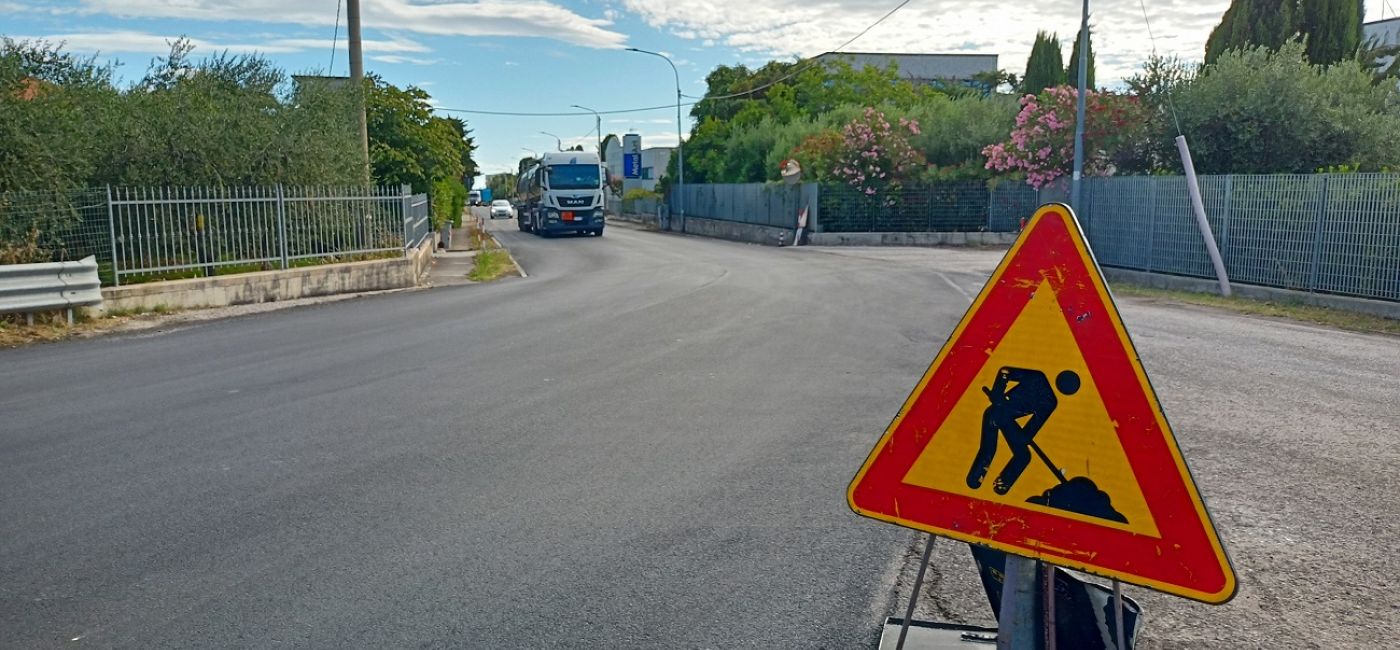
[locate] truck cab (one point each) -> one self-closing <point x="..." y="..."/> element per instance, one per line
<point x="563" y="193"/>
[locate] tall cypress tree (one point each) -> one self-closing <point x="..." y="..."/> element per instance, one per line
<point x="1275" y="22"/>
<point x="1045" y="67"/>
<point x="1253" y="23"/>
<point x="1333" y="28"/>
<point x="1072" y="73"/>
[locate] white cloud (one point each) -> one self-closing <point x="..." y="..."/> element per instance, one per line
<point x="784" y="28"/>
<point x="659" y="139"/>
<point x="405" y="60"/>
<point x="531" y="18"/>
<point x="136" y="42"/>
<point x="393" y="45"/>
<point x="148" y="43"/>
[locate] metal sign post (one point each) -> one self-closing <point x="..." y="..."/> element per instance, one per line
<point x="1016" y="627"/>
<point x="914" y="595"/>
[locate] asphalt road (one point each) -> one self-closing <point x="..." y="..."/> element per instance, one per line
<point x="644" y="444"/>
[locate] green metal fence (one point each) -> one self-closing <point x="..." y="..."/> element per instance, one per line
<point x="1331" y="233"/>
<point x="166" y="233"/>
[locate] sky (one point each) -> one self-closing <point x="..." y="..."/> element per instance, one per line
<point x="547" y="55"/>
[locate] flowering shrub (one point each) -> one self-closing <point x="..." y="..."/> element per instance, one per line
<point x="818" y="154"/>
<point x="875" y="155"/>
<point x="1042" y="142"/>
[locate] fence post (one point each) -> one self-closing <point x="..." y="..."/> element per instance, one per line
<point x="405" y="210"/>
<point x="112" y="234"/>
<point x="928" y="208"/>
<point x="1317" y="235"/>
<point x="282" y="225"/>
<point x="1225" y="218"/>
<point x="991" y="207"/>
<point x="1151" y="220"/>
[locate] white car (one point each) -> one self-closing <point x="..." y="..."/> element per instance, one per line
<point x="502" y="208"/>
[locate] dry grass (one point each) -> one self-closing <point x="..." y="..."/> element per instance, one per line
<point x="49" y="327"/>
<point x="1338" y="318"/>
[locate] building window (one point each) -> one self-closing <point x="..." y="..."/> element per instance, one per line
<point x="646" y="173"/>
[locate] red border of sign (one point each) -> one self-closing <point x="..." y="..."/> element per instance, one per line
<point x="1188" y="560"/>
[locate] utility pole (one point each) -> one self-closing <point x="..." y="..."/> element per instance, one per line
<point x="357" y="75"/>
<point x="1079" y="116"/>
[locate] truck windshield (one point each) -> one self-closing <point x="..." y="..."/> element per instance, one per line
<point x="574" y="177"/>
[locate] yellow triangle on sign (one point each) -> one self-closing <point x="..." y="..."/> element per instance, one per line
<point x="1040" y="333"/>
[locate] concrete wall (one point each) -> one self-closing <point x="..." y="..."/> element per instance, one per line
<point x="732" y="230"/>
<point x="635" y="217"/>
<point x="912" y="238"/>
<point x="1255" y="292"/>
<point x="270" y="286"/>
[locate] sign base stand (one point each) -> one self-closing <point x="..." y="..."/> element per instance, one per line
<point x="931" y="635"/>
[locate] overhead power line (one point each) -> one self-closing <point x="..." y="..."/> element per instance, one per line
<point x="813" y="61"/>
<point x="808" y="64"/>
<point x="335" y="36"/>
<point x="1153" y="39"/>
<point x="559" y="114"/>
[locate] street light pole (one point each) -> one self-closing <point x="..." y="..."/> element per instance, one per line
<point x="680" y="140"/>
<point x="598" y="119"/>
<point x="558" y="144"/>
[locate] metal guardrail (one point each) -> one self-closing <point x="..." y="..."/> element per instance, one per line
<point x="49" y="286"/>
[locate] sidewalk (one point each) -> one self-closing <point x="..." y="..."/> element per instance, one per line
<point x="451" y="266"/>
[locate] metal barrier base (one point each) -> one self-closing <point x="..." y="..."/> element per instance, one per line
<point x="929" y="635"/>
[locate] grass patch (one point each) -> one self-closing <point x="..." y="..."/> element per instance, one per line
<point x="48" y="326"/>
<point x="490" y="264"/>
<point x="1338" y="318"/>
<point x="128" y="312"/>
<point x="477" y="239"/>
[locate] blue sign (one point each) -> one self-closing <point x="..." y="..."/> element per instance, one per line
<point x="631" y="165"/>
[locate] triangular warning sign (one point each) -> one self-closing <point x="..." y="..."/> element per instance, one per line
<point x="1036" y="432"/>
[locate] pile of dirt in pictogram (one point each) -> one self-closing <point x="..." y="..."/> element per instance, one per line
<point x="1081" y="495"/>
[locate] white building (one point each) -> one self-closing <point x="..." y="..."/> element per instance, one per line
<point x="1384" y="33"/>
<point x="927" y="69"/>
<point x="654" y="161"/>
